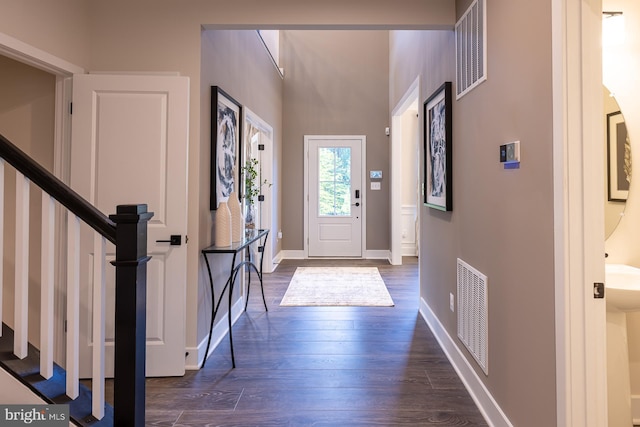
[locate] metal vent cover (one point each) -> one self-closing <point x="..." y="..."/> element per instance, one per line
<point x="471" y="48"/>
<point x="473" y="312"/>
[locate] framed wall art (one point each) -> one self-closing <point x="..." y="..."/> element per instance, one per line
<point x="438" y="159"/>
<point x="226" y="131"/>
<point x="618" y="158"/>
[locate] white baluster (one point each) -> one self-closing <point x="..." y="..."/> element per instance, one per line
<point x="1" y="237"/>
<point x="47" y="292"/>
<point x="73" y="305"/>
<point x="99" y="296"/>
<point x="21" y="339"/>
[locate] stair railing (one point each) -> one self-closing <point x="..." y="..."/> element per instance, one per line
<point x="127" y="229"/>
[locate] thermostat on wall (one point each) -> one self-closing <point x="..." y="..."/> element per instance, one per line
<point x="375" y="174"/>
<point x="510" y="153"/>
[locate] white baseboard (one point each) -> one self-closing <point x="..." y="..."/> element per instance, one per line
<point x="290" y="254"/>
<point x="489" y="408"/>
<point x="220" y="329"/>
<point x="277" y="259"/>
<point x="299" y="254"/>
<point x="378" y="254"/>
<point x="635" y="408"/>
<point x="409" y="249"/>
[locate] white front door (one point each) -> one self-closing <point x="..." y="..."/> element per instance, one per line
<point x="335" y="195"/>
<point x="129" y="146"/>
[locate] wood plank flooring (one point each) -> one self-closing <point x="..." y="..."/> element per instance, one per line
<point x="321" y="366"/>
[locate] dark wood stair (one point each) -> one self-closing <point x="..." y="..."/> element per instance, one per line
<point x="51" y="390"/>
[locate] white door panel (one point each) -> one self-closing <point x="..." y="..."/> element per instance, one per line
<point x="129" y="146"/>
<point x="335" y="196"/>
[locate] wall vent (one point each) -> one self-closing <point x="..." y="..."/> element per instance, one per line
<point x="472" y="312"/>
<point x="471" y="48"/>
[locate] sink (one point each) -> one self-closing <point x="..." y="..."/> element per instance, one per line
<point x="622" y="284"/>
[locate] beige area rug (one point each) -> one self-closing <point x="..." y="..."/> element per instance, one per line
<point x="337" y="286"/>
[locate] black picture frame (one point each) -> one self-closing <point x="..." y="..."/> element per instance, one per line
<point x="226" y="146"/>
<point x="618" y="158"/>
<point x="438" y="151"/>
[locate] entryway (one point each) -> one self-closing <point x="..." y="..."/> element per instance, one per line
<point x="335" y="200"/>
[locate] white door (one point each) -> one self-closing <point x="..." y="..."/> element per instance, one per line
<point x="335" y="196"/>
<point x="129" y="146"/>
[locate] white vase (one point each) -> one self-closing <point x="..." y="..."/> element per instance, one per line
<point x="237" y="221"/>
<point x="223" y="225"/>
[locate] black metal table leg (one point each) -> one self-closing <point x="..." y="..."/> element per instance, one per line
<point x="251" y="237"/>
<point x="232" y="278"/>
<point x="261" y="250"/>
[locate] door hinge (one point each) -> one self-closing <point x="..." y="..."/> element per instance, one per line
<point x="598" y="290"/>
<point x="260" y="147"/>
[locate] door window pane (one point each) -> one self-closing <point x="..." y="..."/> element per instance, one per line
<point x="334" y="176"/>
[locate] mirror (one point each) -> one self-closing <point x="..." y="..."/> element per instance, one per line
<point x="618" y="163"/>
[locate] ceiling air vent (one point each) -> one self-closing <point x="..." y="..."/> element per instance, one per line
<point x="471" y="48"/>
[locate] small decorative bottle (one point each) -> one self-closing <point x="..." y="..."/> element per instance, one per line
<point x="223" y="225"/>
<point x="237" y="221"/>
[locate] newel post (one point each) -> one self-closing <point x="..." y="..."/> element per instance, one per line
<point x="130" y="314"/>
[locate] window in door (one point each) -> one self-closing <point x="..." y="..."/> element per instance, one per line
<point x="334" y="167"/>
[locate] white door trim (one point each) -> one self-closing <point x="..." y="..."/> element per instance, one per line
<point x="63" y="70"/>
<point x="30" y="55"/>
<point x="363" y="191"/>
<point x="411" y="95"/>
<point x="269" y="217"/>
<point x="578" y="214"/>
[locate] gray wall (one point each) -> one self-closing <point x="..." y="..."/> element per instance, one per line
<point x="164" y="35"/>
<point x="502" y="220"/>
<point x="238" y="62"/>
<point x="336" y="83"/>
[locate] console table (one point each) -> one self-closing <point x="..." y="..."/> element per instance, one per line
<point x="251" y="236"/>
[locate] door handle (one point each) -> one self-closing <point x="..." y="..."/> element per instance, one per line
<point x="174" y="240"/>
<point x="355" y="204"/>
<point x="357" y="194"/>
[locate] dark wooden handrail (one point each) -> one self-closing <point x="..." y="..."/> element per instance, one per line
<point x="57" y="189"/>
<point x="127" y="229"/>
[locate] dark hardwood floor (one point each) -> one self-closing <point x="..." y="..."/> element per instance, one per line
<point x="322" y="366"/>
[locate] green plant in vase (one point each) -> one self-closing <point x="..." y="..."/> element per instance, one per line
<point x="252" y="189"/>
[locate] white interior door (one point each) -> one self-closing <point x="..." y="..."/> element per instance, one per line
<point x="129" y="146"/>
<point x="335" y="196"/>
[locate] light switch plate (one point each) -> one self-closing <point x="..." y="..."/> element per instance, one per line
<point x="375" y="185"/>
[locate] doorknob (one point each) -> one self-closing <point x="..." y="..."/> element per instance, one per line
<point x="355" y="204"/>
<point x="174" y="240"/>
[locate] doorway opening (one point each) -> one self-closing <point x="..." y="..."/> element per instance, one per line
<point x="406" y="191"/>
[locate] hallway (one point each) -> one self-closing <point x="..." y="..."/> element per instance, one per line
<point x="322" y="366"/>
